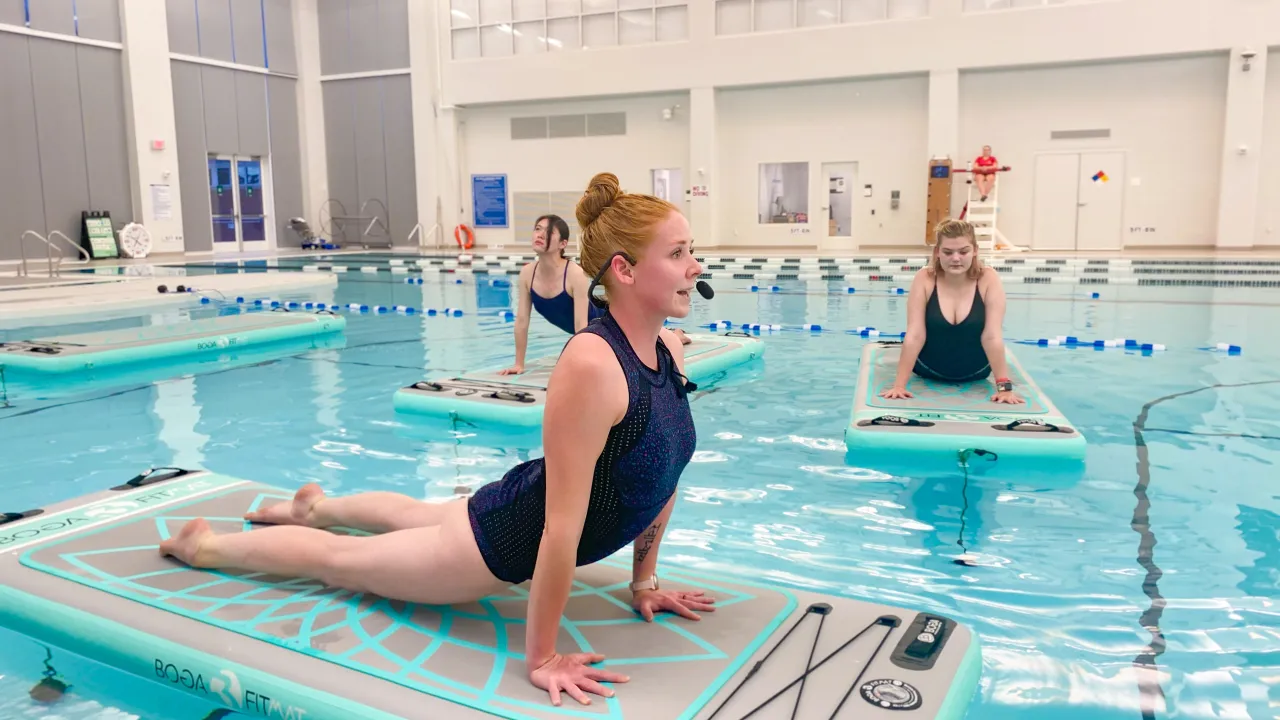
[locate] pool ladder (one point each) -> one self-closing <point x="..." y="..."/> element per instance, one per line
<point x="55" y="266"/>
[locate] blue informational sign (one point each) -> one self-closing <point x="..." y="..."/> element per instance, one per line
<point x="489" y="201"/>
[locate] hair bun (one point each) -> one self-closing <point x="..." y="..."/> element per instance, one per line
<point x="603" y="190"/>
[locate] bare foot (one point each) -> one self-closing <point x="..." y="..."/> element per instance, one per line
<point x="298" y="511"/>
<point x="186" y="545"/>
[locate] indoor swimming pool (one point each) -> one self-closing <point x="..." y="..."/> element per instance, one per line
<point x="1142" y="586"/>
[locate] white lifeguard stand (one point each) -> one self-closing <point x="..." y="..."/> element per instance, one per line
<point x="983" y="215"/>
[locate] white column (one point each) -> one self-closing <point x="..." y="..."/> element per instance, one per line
<point x="451" y="171"/>
<point x="315" y="165"/>
<point x="425" y="78"/>
<point x="148" y="107"/>
<point x="944" y="120"/>
<point x="1242" y="149"/>
<point x="702" y="166"/>
<point x="702" y="21"/>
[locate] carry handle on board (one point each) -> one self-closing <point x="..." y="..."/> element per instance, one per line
<point x="1033" y="425"/>
<point x="896" y="421"/>
<point x="152" y="476"/>
<point x="6" y="518"/>
<point x="519" y="396"/>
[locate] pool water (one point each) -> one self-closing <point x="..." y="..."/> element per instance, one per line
<point x="1144" y="587"/>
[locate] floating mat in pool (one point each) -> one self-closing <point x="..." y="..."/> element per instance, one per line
<point x="86" y="575"/>
<point x="518" y="400"/>
<point x="947" y="417"/>
<point x="113" y="348"/>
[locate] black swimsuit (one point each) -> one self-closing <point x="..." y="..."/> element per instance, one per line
<point x="953" y="352"/>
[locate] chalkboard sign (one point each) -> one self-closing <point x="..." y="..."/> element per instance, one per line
<point x="97" y="236"/>
<point x="489" y="201"/>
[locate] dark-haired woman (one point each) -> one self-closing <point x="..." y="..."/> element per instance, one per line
<point x="553" y="285"/>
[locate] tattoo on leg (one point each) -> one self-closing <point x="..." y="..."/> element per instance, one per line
<point x="646" y="542"/>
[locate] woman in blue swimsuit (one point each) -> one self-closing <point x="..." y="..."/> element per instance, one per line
<point x="617" y="435"/>
<point x="553" y="285"/>
<point x="556" y="287"/>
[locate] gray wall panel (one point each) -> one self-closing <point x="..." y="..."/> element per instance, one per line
<point x="64" y="175"/>
<point x="340" y="146"/>
<point x="98" y="19"/>
<point x="334" y="41"/>
<point x="55" y="16"/>
<point x="21" y="198"/>
<point x="193" y="164"/>
<point x="286" y="158"/>
<point x="371" y="153"/>
<point x="215" y="29"/>
<point x="393" y="31"/>
<point x="13" y="12"/>
<point x="221" y="125"/>
<point x="402" y="187"/>
<point x="251" y="114"/>
<point x="106" y="151"/>
<point x="282" y="54"/>
<point x="183" y="35"/>
<point x="365" y="44"/>
<point x="246" y="32"/>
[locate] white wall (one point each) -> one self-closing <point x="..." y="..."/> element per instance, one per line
<point x="1027" y="36"/>
<point x="880" y="124"/>
<point x="1167" y="115"/>
<point x="567" y="164"/>
<point x="1269" y="186"/>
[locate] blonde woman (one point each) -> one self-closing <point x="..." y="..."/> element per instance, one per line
<point x="617" y="434"/>
<point x="955" y="310"/>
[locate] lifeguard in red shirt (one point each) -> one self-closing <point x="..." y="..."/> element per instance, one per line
<point x="984" y="171"/>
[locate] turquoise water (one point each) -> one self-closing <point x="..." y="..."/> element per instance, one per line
<point x="1170" y="554"/>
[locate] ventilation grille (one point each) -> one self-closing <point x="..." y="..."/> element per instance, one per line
<point x="1099" y="134"/>
<point x="568" y="126"/>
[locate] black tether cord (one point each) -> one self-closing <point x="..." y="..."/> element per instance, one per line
<point x="1151" y="693"/>
<point x="964" y="495"/>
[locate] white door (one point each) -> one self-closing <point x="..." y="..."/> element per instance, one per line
<point x="668" y="184"/>
<point x="836" y="221"/>
<point x="1100" y="221"/>
<point x="1054" y="208"/>
<point x="238" y="204"/>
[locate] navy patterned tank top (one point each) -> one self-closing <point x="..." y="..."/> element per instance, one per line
<point x="634" y="477"/>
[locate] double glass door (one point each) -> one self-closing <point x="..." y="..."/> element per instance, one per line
<point x="238" y="204"/>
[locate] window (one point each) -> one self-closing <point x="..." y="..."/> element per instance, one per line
<point x="500" y="28"/>
<point x="784" y="193"/>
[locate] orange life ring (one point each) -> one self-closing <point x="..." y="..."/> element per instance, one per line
<point x="471" y="237"/>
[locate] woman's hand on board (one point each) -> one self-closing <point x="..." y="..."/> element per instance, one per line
<point x="573" y="674"/>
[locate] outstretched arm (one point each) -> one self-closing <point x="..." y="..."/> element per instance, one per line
<point x="586" y="397"/>
<point x="581" y="298"/>
<point x="524" y="308"/>
<point x="645" y="566"/>
<point x="992" y="333"/>
<point x="645" y="561"/>
<point x="917" y="299"/>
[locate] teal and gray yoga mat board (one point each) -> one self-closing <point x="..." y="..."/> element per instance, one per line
<point x="86" y="575"/>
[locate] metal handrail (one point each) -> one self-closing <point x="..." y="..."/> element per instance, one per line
<point x="79" y="249"/>
<point x="424" y="238"/>
<point x="23" y="271"/>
